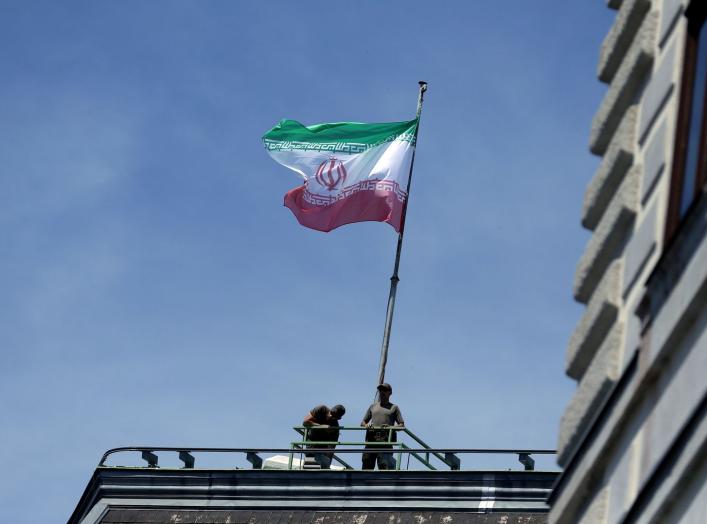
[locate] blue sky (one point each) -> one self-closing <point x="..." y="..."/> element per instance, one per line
<point x="156" y="292"/>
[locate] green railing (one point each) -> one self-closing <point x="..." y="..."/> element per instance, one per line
<point x="307" y="446"/>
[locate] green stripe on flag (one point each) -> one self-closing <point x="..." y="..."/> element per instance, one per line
<point x="351" y="137"/>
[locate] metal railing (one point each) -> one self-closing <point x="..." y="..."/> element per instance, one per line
<point x="149" y="454"/>
<point x="449" y="459"/>
<point x="445" y="458"/>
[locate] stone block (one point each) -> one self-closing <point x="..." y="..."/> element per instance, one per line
<point x="654" y="160"/>
<point x="600" y="315"/>
<point x="657" y="92"/>
<point x="680" y="390"/>
<point x="682" y="496"/>
<point x="622" y="473"/>
<point x="609" y="237"/>
<point x="633" y="333"/>
<point x="611" y="171"/>
<point x="680" y="300"/>
<point x="670" y="11"/>
<point x="598" y="508"/>
<point x="618" y="40"/>
<point x="596" y="383"/>
<point x="639" y="248"/>
<point x="625" y="86"/>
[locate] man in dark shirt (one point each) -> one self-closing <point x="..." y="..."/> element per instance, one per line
<point x="380" y="416"/>
<point x="325" y="428"/>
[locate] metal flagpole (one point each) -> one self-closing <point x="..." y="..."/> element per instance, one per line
<point x="394" y="279"/>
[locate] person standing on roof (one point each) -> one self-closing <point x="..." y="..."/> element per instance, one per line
<point x="378" y="419"/>
<point x="325" y="428"/>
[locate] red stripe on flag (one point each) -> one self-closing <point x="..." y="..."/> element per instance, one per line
<point x="363" y="206"/>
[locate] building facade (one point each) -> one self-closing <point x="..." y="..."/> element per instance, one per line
<point x="633" y="440"/>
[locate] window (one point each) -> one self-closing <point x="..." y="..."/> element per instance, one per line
<point x="689" y="172"/>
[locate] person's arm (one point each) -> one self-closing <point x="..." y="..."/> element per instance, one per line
<point x="367" y="419"/>
<point x="399" y="417"/>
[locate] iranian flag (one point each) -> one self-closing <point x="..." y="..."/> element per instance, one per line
<point x="351" y="172"/>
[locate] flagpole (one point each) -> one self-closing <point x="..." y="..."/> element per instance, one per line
<point x="394" y="279"/>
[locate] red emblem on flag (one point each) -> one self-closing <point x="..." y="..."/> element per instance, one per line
<point x="331" y="173"/>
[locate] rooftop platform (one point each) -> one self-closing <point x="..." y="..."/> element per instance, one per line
<point x="142" y="495"/>
<point x="288" y="485"/>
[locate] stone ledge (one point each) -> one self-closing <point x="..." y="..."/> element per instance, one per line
<point x="609" y="237"/>
<point x="618" y="40"/>
<point x="598" y="318"/>
<point x="625" y="86"/>
<point x="613" y="168"/>
<point x="601" y="375"/>
<point x="584" y="473"/>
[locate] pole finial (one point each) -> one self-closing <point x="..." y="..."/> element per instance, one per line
<point x="423" y="85"/>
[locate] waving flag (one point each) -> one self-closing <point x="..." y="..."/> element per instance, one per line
<point x="351" y="172"/>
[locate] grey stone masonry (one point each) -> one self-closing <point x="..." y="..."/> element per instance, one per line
<point x="632" y="441"/>
<point x="598" y="509"/>
<point x="611" y="171"/>
<point x="669" y="14"/>
<point x="625" y="86"/>
<point x="617" y="42"/>
<point x="633" y="334"/>
<point x="591" y="392"/>
<point x="677" y="305"/>
<point x="596" y="322"/>
<point x="639" y="248"/>
<point x="657" y="92"/>
<point x="609" y="237"/>
<point x="310" y="516"/>
<point x="654" y="160"/>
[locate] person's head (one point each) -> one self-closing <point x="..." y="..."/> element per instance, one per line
<point x="337" y="411"/>
<point x="384" y="391"/>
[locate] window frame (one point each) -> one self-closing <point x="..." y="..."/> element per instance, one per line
<point x="696" y="30"/>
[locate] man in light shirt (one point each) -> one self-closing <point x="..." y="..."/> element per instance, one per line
<point x="380" y="416"/>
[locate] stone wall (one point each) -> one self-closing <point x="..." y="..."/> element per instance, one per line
<point x="639" y="352"/>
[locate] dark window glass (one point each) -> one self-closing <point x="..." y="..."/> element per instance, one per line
<point x="695" y="125"/>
